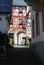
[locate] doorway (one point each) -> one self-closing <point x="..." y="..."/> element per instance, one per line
<point x="20" y="39"/>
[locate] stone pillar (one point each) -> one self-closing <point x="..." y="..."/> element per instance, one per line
<point x="15" y="38"/>
<point x="43" y="15"/>
<point x="40" y="21"/>
<point x="34" y="22"/>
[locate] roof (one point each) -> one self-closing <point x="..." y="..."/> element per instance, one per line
<point x="19" y="2"/>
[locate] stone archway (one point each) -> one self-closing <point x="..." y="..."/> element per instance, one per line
<point x="20" y="35"/>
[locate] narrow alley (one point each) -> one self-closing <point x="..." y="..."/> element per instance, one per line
<point x="21" y="32"/>
<point x="22" y="56"/>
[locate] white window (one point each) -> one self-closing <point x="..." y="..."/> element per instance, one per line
<point x="20" y="21"/>
<point x="20" y="10"/>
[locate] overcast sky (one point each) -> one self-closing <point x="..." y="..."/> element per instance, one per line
<point x="19" y="2"/>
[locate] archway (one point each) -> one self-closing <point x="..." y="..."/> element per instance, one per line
<point x="21" y="35"/>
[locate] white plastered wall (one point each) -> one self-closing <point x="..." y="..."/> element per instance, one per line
<point x="41" y="36"/>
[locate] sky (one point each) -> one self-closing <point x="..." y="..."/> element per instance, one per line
<point x="19" y="2"/>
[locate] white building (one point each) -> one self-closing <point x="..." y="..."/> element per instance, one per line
<point x="29" y="22"/>
<point x="37" y="27"/>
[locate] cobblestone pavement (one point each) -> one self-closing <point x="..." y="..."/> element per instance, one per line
<point x="22" y="56"/>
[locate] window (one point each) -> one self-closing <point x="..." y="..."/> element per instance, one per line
<point x="20" y="21"/>
<point x="28" y="24"/>
<point x="17" y="9"/>
<point x="20" y="10"/>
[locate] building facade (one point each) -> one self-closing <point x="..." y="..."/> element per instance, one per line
<point x="29" y="22"/>
<point x="18" y="25"/>
<point x="37" y="27"/>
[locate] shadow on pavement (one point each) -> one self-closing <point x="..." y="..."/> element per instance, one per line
<point x="22" y="56"/>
